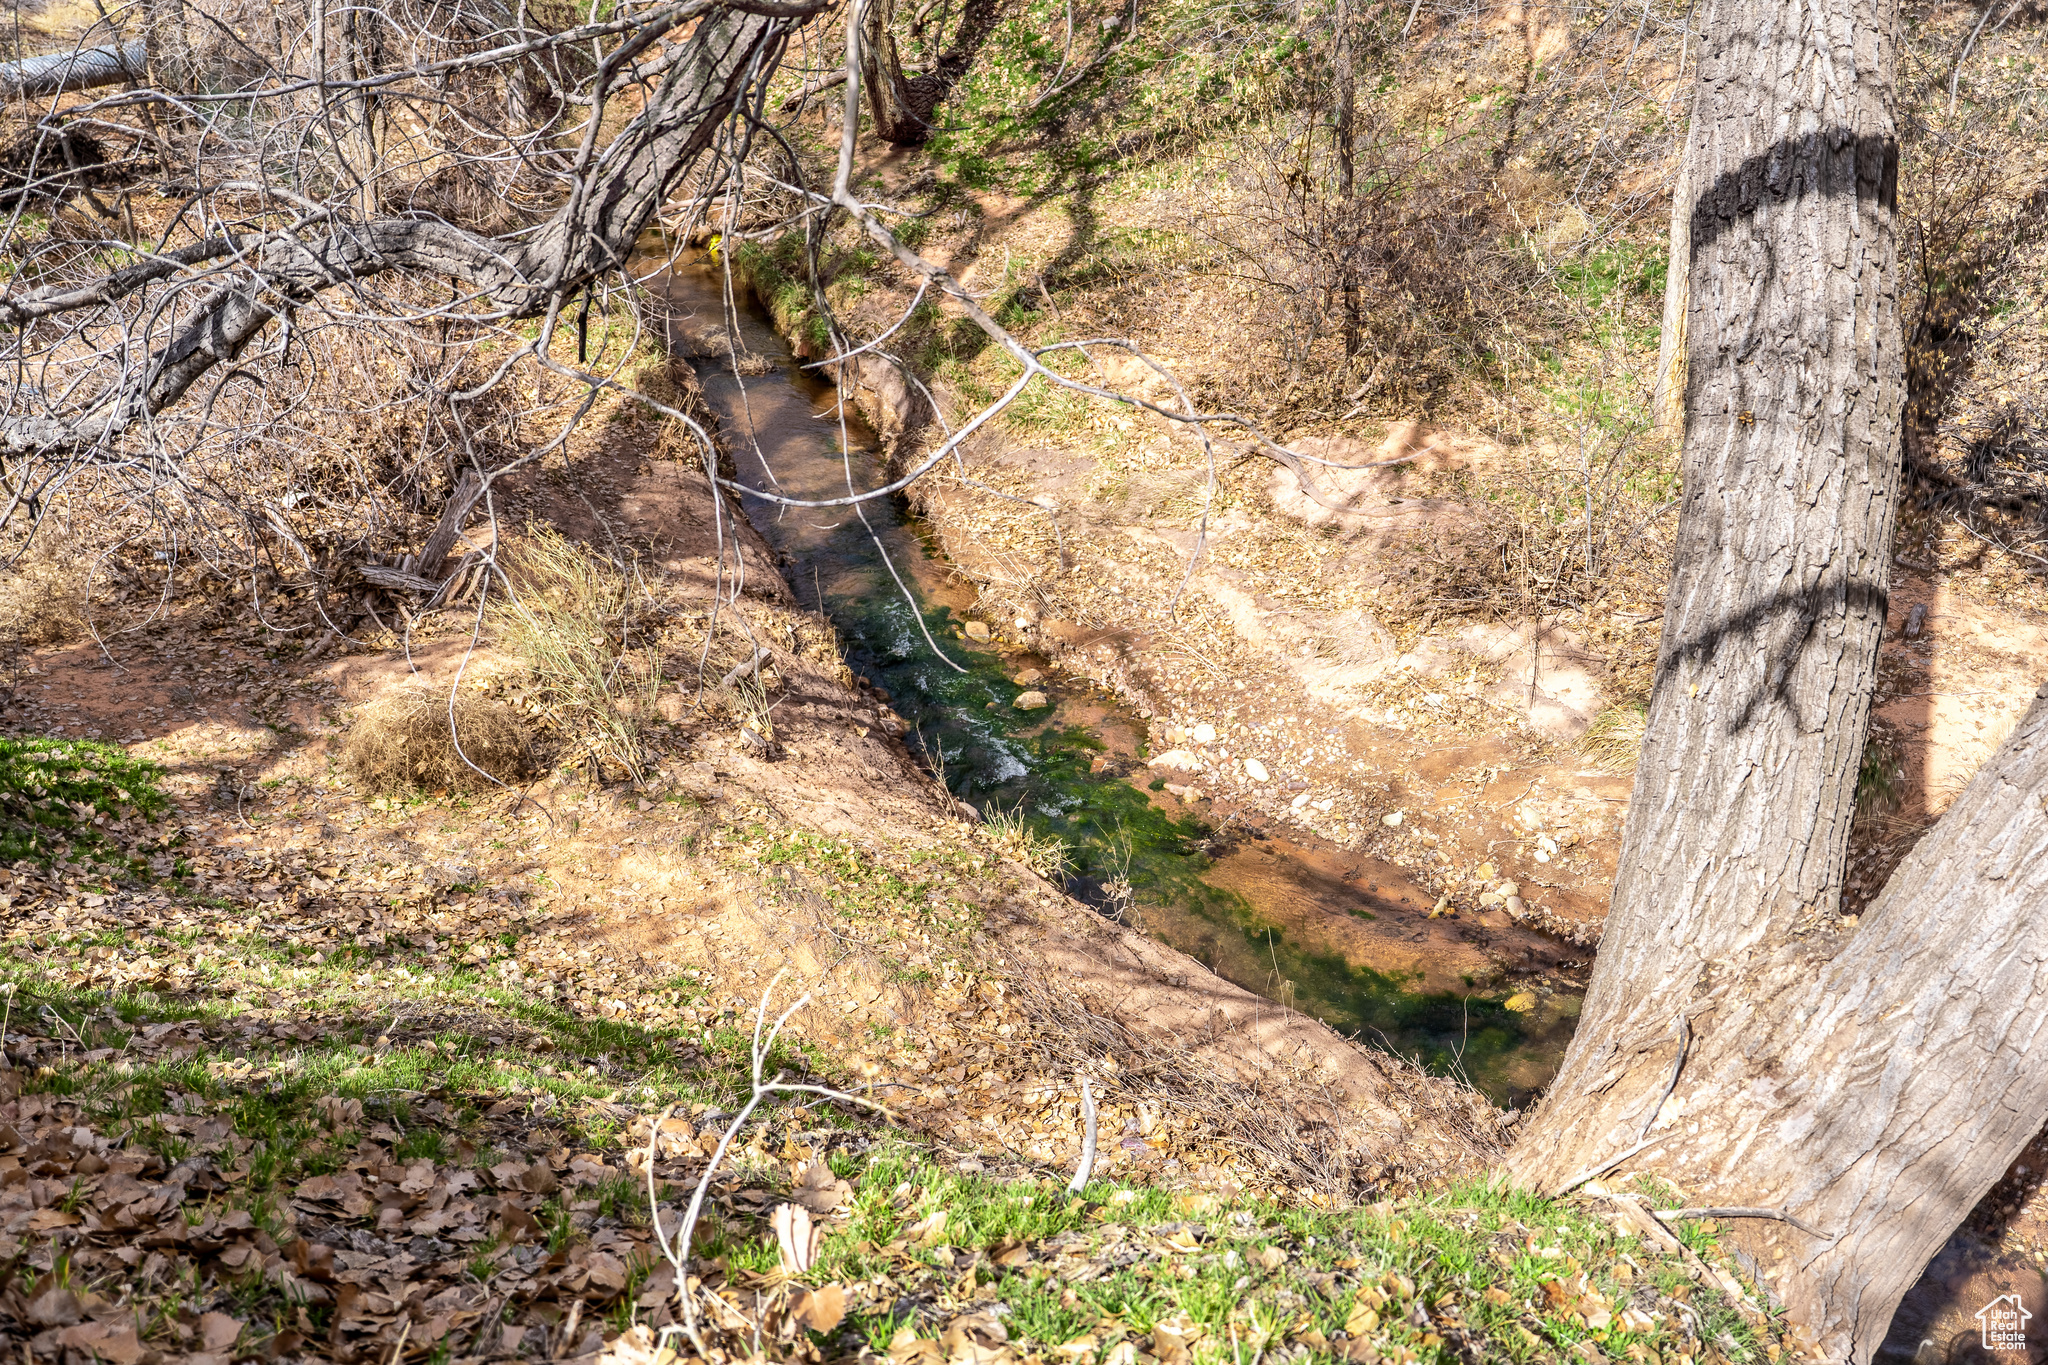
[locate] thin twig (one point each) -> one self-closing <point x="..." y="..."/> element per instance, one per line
<point x="1684" y="1027"/>
<point x="1748" y="1211"/>
<point x="1087" y="1165"/>
<point x="1609" y="1164"/>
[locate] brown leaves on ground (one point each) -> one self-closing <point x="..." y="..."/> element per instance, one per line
<point x="114" y="1244"/>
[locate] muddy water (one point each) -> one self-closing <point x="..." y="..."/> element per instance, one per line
<point x="1341" y="937"/>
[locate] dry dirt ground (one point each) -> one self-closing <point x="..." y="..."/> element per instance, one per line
<point x="669" y="876"/>
<point x="1445" y="758"/>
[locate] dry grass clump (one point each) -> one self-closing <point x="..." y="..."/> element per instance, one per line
<point x="1046" y="854"/>
<point x="584" y="627"/>
<point x="404" y="742"/>
<point x="1614" y="739"/>
<point x="42" y="598"/>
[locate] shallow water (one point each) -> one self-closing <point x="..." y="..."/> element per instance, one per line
<point x="1339" y="937"/>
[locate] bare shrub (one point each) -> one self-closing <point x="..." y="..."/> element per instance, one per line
<point x="1382" y="297"/>
<point x="42" y="598"/>
<point x="404" y="741"/>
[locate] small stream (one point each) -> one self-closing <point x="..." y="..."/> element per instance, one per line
<point x="1279" y="912"/>
<point x="1345" y="938"/>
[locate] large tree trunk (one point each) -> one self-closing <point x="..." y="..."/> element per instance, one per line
<point x="1824" y="1074"/>
<point x="891" y="103"/>
<point x="903" y="107"/>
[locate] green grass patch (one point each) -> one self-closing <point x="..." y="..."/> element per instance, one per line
<point x="63" y="792"/>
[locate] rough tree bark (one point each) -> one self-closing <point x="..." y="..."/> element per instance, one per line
<point x="1667" y="403"/>
<point x="1872" y="1081"/>
<point x="361" y="134"/>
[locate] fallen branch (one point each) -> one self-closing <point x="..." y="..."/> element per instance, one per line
<point x="1601" y="1168"/>
<point x="1647" y="1223"/>
<point x="816" y="87"/>
<point x="1087" y="1163"/>
<point x="677" y="1251"/>
<point x="1749" y="1211"/>
<point x="742" y="670"/>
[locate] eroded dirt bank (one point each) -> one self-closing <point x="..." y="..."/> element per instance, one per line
<point x="832" y="854"/>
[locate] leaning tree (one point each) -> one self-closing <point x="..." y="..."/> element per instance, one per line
<point x="1739" y="1035"/>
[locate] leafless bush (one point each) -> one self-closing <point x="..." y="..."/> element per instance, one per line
<point x="1421" y="244"/>
<point x="404" y="742"/>
<point x="1974" y="245"/>
<point x="42" y="597"/>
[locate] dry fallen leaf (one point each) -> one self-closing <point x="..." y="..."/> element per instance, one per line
<point x="107" y="1341"/>
<point x="218" y="1331"/>
<point x="821" y="1310"/>
<point x="975" y="1339"/>
<point x="907" y="1348"/>
<point x="796" y="1237"/>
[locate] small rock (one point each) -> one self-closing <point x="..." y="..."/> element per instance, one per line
<point x="1515" y="906"/>
<point x="1298" y="802"/>
<point x="1256" y="771"/>
<point x="1490" y="898"/>
<point x="1203" y="734"/>
<point x="978" y="631"/>
<point x="1521" y="1002"/>
<point x="1485" y="872"/>
<point x="1024" y="623"/>
<point x="1180" y="760"/>
<point x="1392" y="819"/>
<point x="1029" y="677"/>
<point x="1324" y="804"/>
<point x="1031" y="701"/>
<point x="1507" y="889"/>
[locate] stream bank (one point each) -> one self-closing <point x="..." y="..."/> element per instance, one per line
<point x="1016" y="728"/>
